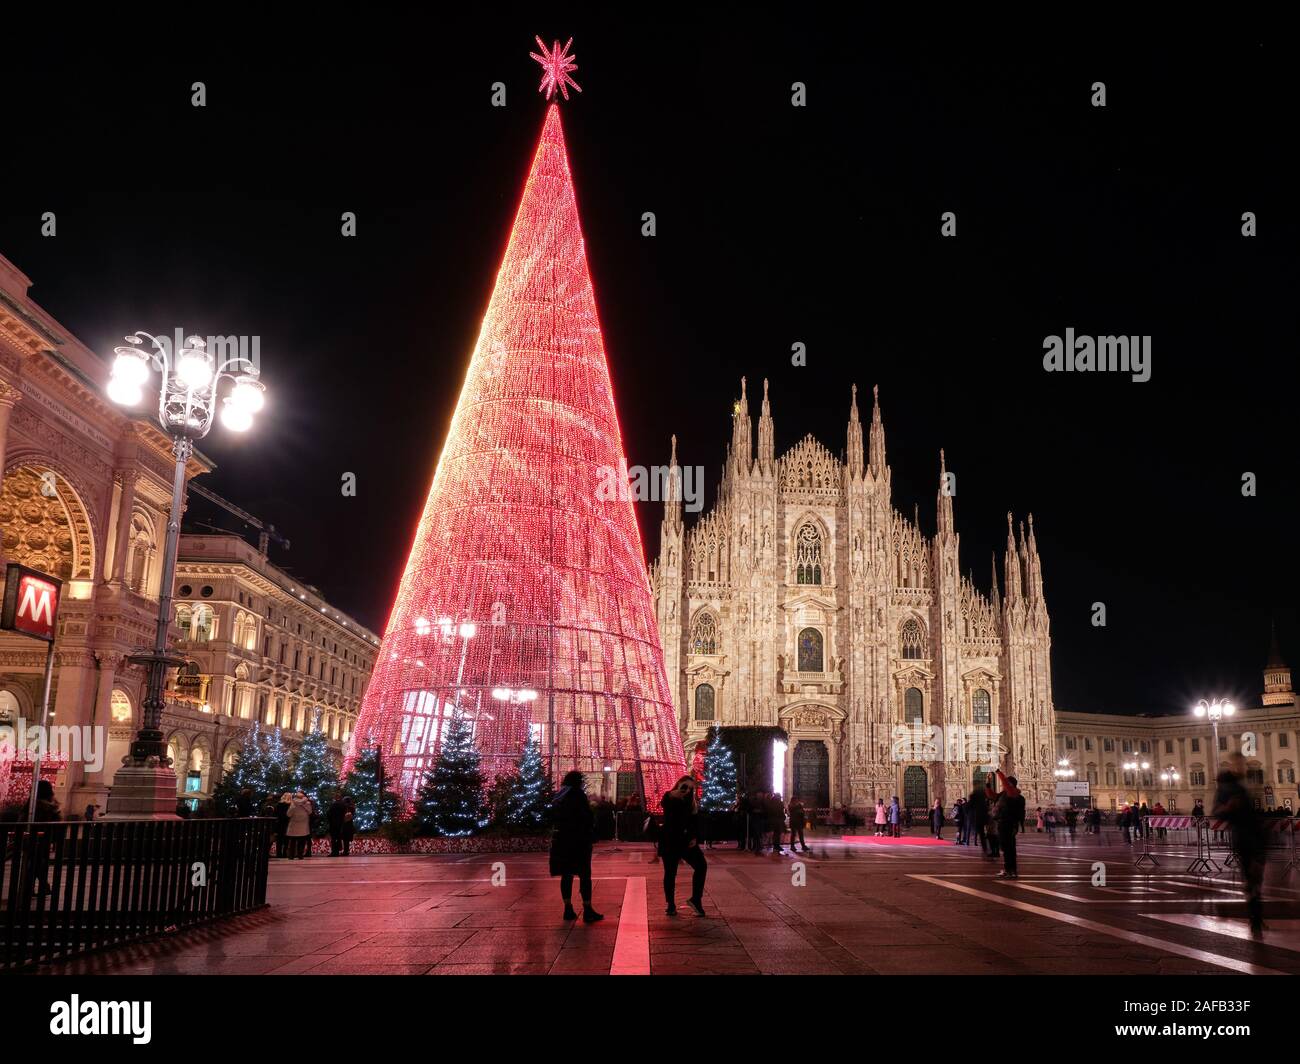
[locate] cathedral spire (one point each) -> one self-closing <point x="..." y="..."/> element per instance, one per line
<point x="766" y="434"/>
<point x="855" y="438"/>
<point x="673" y="492"/>
<point x="994" y="596"/>
<point x="1011" y="564"/>
<point x="944" y="509"/>
<point x="1033" y="567"/>
<point x="742" y="437"/>
<point x="877" y="449"/>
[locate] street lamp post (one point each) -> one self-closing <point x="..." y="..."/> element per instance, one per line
<point x="1135" y="767"/>
<point x="1169" y="777"/>
<point x="1215" y="711"/>
<point x="145" y="786"/>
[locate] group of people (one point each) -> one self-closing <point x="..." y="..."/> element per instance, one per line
<point x="678" y="839"/>
<point x="297" y="820"/>
<point x="760" y="822"/>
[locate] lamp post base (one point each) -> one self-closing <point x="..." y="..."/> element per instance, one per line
<point x="142" y="790"/>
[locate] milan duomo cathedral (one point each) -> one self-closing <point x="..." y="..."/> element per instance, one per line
<point x="805" y="601"/>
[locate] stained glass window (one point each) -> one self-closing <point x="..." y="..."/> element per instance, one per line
<point x="981" y="706"/>
<point x="913" y="706"/>
<point x="704" y="702"/>
<point x="913" y="639"/>
<point x="810" y="650"/>
<point x="704" y="636"/>
<point x="808" y="555"/>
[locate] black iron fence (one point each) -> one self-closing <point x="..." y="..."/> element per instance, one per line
<point x="69" y="887"/>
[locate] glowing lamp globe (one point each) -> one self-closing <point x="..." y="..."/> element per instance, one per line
<point x="235" y="418"/>
<point x="131" y="368"/>
<point x="194" y="369"/>
<point x="249" y="395"/>
<point x="124" y="392"/>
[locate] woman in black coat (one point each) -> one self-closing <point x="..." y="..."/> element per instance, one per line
<point x="571" y="842"/>
<point x="679" y="840"/>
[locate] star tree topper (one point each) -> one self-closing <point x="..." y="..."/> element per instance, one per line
<point x="557" y="64"/>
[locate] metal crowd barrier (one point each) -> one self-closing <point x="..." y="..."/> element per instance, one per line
<point x="1204" y="863"/>
<point x="68" y="887"/>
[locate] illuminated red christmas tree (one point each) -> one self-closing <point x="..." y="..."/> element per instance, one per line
<point x="525" y="602"/>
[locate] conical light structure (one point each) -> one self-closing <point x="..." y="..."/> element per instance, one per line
<point x="525" y="602"/>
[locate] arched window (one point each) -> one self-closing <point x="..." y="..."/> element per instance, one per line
<point x="704" y="702"/>
<point x="704" y="635"/>
<point x="204" y="625"/>
<point x="119" y="707"/>
<point x="981" y="707"/>
<point x="913" y="706"/>
<point x="912" y="639"/>
<point x="810" y="650"/>
<point x="245" y="631"/>
<point x="808" y="554"/>
<point x="184" y="619"/>
<point x="10" y="710"/>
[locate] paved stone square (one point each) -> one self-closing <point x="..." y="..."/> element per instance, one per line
<point x="864" y="908"/>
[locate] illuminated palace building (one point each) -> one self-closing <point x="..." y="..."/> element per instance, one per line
<point x="84" y="493"/>
<point x="805" y="601"/>
<point x="1171" y="759"/>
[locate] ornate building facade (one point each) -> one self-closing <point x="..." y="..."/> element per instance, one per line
<point x="84" y="493"/>
<point x="805" y="600"/>
<point x="262" y="647"/>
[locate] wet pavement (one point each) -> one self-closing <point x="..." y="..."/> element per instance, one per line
<point x="847" y="907"/>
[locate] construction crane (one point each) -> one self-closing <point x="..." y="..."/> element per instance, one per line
<point x="266" y="533"/>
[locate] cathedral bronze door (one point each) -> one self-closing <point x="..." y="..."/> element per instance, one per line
<point x="812" y="777"/>
<point x="916" y="790"/>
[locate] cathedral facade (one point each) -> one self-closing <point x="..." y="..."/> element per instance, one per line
<point x="805" y="601"/>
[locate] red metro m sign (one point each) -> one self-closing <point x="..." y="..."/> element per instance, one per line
<point x="31" y="602"/>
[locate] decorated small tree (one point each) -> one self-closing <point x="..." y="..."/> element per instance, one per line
<point x="370" y="786"/>
<point x="451" y="802"/>
<point x="247" y="770"/>
<point x="530" y="792"/>
<point x="313" y="769"/>
<point x="719" y="791"/>
<point x="279" y="766"/>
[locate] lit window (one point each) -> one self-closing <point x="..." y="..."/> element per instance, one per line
<point x="810" y="650"/>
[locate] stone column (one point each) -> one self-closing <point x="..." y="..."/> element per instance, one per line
<point x="120" y="541"/>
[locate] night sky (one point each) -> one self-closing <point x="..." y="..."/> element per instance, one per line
<point x="775" y="224"/>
